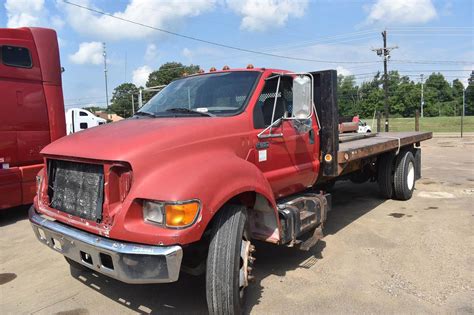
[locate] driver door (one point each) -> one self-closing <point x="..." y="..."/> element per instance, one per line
<point x="290" y="161"/>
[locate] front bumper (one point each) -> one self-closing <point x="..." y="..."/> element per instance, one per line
<point x="127" y="262"/>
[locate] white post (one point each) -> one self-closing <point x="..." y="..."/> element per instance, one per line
<point x="140" y="100"/>
<point x="133" y="106"/>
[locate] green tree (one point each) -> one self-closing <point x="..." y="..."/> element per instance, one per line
<point x="371" y="97"/>
<point x="438" y="96"/>
<point x="168" y="72"/>
<point x="122" y="99"/>
<point x="469" y="97"/>
<point x="405" y="98"/>
<point x="347" y="93"/>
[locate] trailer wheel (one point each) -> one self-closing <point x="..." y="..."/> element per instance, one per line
<point x="229" y="261"/>
<point x="404" y="177"/>
<point x="385" y="174"/>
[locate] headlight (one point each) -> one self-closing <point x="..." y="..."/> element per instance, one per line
<point x="171" y="214"/>
<point x="153" y="211"/>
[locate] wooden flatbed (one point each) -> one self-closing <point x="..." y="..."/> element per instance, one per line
<point x="373" y="144"/>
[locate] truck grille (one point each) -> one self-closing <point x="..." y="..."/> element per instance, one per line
<point x="76" y="188"/>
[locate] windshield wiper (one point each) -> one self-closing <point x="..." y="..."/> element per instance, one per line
<point x="187" y="110"/>
<point x="143" y="113"/>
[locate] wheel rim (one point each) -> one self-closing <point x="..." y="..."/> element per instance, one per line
<point x="411" y="176"/>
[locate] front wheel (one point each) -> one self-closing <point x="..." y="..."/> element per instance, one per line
<point x="229" y="261"/>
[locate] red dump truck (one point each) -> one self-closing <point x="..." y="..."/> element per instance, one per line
<point x="211" y="163"/>
<point x="32" y="109"/>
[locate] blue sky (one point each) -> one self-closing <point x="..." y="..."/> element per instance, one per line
<point x="339" y="33"/>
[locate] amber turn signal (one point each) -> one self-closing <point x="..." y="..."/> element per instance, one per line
<point x="181" y="215"/>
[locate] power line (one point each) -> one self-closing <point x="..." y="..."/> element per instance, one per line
<point x="211" y="42"/>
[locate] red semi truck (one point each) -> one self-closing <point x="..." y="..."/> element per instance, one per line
<point x="32" y="109"/>
<point x="210" y="164"/>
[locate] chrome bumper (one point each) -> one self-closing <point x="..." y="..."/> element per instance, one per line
<point x="127" y="262"/>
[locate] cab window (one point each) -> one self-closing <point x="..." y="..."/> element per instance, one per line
<point x="16" y="56"/>
<point x="262" y="115"/>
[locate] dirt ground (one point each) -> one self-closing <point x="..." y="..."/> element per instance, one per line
<point x="377" y="257"/>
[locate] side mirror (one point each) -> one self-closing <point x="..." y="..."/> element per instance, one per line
<point x="302" y="102"/>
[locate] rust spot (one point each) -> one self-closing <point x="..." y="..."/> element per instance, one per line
<point x="396" y="215"/>
<point x="6" y="277"/>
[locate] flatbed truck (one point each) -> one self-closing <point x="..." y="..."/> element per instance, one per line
<point x="210" y="164"/>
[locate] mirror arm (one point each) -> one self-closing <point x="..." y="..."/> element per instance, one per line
<point x="275" y="102"/>
<point x="270" y="135"/>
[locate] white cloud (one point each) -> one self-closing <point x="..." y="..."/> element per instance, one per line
<point x="22" y="13"/>
<point x="260" y="15"/>
<point x="343" y="71"/>
<point x="186" y="52"/>
<point x="88" y="53"/>
<point x="159" y="14"/>
<point x="140" y="75"/>
<point x="401" y="12"/>
<point x="151" y="53"/>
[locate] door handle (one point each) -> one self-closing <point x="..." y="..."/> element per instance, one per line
<point x="262" y="145"/>
<point x="311" y="136"/>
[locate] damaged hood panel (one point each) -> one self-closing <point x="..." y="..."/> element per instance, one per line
<point x="133" y="139"/>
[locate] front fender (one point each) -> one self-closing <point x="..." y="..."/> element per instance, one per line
<point x="213" y="177"/>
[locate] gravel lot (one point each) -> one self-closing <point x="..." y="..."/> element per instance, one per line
<point x="377" y="257"/>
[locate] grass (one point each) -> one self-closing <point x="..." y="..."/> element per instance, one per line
<point x="434" y="124"/>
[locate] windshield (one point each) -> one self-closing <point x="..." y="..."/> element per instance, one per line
<point x="218" y="94"/>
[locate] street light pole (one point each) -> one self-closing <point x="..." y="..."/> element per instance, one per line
<point x="104" y="54"/>
<point x="422" y="102"/>
<point x="463" y="108"/>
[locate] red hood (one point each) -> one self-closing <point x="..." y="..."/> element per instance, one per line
<point x="132" y="138"/>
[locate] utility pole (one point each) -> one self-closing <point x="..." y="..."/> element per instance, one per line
<point x="422" y="102"/>
<point x="463" y="108"/>
<point x="104" y="53"/>
<point x="385" y="53"/>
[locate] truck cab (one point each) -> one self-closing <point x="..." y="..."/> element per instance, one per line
<point x="211" y="163"/>
<point x="32" y="109"/>
<point x="78" y="119"/>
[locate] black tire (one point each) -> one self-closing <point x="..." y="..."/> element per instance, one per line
<point x="224" y="291"/>
<point x="404" y="177"/>
<point x="385" y="174"/>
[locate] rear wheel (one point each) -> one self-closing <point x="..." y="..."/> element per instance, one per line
<point x="385" y="174"/>
<point x="404" y="177"/>
<point x="229" y="261"/>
